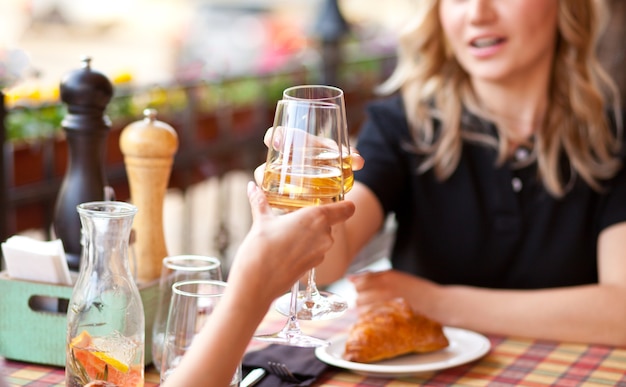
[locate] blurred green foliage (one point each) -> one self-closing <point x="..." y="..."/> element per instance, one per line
<point x="36" y="122"/>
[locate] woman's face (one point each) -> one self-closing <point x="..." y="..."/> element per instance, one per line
<point x="500" y="40"/>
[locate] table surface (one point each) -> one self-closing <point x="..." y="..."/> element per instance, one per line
<point x="511" y="361"/>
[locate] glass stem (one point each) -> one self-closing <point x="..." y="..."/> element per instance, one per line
<point x="292" y="328"/>
<point x="311" y="286"/>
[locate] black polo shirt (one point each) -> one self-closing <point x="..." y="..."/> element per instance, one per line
<point x="486" y="225"/>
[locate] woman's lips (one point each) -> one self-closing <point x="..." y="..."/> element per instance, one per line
<point x="486" y="46"/>
<point x="485" y="42"/>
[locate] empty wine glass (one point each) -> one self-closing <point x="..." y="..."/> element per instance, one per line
<point x="178" y="268"/>
<point x="303" y="168"/>
<point x="192" y="304"/>
<point x="314" y="304"/>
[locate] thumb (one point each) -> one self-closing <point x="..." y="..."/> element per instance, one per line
<point x="258" y="202"/>
<point x="338" y="212"/>
<point x="258" y="173"/>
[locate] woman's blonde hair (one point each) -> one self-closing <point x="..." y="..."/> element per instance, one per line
<point x="434" y="85"/>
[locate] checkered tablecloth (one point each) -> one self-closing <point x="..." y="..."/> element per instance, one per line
<point x="515" y="362"/>
<point x="34" y="375"/>
<point x="511" y="362"/>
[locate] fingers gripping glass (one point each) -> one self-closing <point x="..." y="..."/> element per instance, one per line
<point x="303" y="168"/>
<point x="314" y="304"/>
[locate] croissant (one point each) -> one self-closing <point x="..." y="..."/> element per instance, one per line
<point x="391" y="329"/>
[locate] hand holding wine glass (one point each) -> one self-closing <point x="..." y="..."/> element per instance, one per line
<point x="315" y="304"/>
<point x="276" y="251"/>
<point x="304" y="167"/>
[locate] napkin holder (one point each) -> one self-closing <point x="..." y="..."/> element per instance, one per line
<point x="37" y="335"/>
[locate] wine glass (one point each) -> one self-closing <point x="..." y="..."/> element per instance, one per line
<point x="175" y="269"/>
<point x="303" y="168"/>
<point x="192" y="304"/>
<point x="314" y="304"/>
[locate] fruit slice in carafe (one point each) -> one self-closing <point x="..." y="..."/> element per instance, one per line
<point x="90" y="363"/>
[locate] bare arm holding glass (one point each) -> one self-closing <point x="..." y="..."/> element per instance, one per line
<point x="340" y="250"/>
<point x="276" y="251"/>
<point x="308" y="163"/>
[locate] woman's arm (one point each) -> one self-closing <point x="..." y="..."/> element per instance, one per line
<point x="275" y="253"/>
<point x="351" y="236"/>
<point x="591" y="313"/>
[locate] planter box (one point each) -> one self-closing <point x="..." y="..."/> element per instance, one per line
<point x="28" y="333"/>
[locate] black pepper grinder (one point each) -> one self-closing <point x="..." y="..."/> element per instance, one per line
<point x="86" y="93"/>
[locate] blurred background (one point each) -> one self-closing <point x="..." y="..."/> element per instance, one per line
<point x="213" y="69"/>
<point x="160" y="41"/>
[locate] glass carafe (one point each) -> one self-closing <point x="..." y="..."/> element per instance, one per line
<point x="105" y="318"/>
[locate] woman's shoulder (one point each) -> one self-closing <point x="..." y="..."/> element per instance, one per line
<point x="392" y="104"/>
<point x="388" y="112"/>
<point x="385" y="118"/>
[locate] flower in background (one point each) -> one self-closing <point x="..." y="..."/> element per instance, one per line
<point x="34" y="112"/>
<point x="14" y="65"/>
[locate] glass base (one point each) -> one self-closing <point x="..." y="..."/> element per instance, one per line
<point x="321" y="305"/>
<point x="292" y="337"/>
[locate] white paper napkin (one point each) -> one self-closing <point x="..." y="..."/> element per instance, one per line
<point x="34" y="260"/>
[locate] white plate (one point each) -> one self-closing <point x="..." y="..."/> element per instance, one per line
<point x="465" y="346"/>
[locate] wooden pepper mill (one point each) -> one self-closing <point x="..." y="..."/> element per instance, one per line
<point x="148" y="146"/>
<point x="86" y="93"/>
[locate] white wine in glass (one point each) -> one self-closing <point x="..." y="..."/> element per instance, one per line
<point x="314" y="304"/>
<point x="303" y="168"/>
<point x="289" y="187"/>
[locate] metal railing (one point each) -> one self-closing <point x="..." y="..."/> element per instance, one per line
<point x="218" y="133"/>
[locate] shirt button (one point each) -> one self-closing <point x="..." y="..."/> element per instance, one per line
<point x="516" y="183"/>
<point x="521" y="154"/>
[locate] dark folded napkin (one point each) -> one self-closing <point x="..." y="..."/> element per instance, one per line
<point x="300" y="361"/>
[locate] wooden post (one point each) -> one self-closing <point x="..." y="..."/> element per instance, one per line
<point x="330" y="28"/>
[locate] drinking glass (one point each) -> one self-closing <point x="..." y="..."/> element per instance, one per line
<point x="192" y="303"/>
<point x="303" y="168"/>
<point x="314" y="304"/>
<point x="175" y="269"/>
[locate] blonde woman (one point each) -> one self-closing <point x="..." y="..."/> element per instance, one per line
<point x="500" y="151"/>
